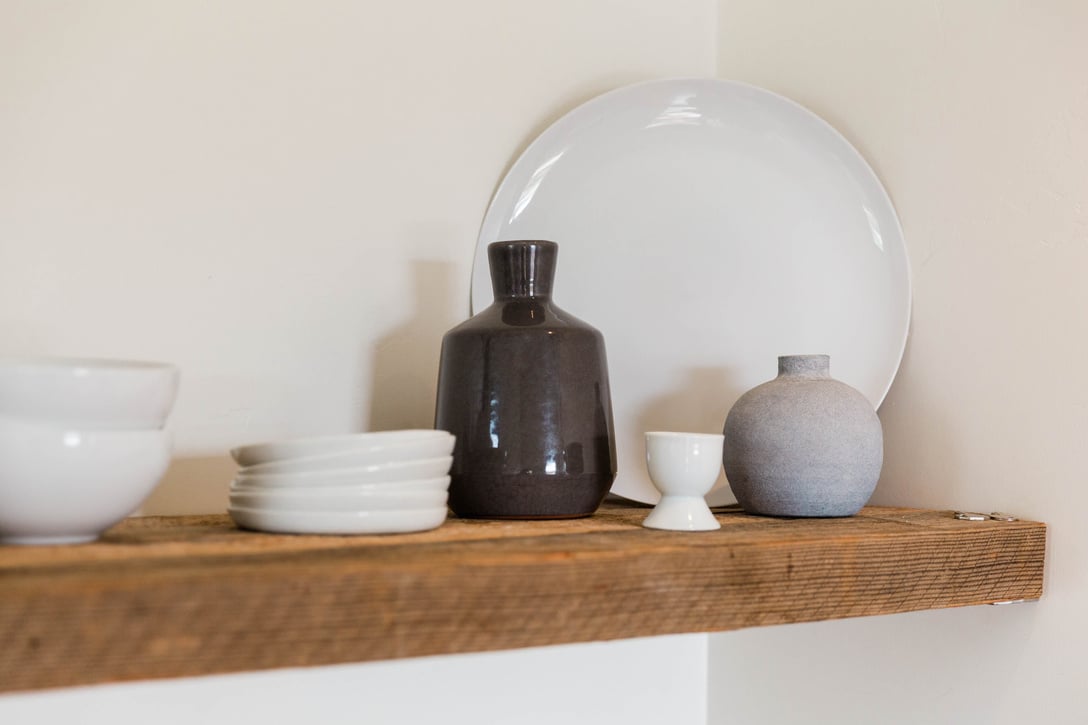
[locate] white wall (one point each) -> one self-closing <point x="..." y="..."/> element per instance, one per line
<point x="283" y="198"/>
<point x="658" y="680"/>
<point x="975" y="115"/>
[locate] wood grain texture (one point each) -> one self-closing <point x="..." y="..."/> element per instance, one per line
<point x="180" y="596"/>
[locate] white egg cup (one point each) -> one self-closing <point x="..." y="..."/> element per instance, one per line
<point x="683" y="467"/>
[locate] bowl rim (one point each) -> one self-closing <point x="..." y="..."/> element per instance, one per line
<point x="47" y="427"/>
<point x="47" y="363"/>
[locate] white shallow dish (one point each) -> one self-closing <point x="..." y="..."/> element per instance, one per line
<point x="346" y="522"/>
<point x="62" y="486"/>
<point x="386" y="473"/>
<point x="706" y="227"/>
<point x="438" y="483"/>
<point x="87" y="394"/>
<point x="323" y="500"/>
<point x="258" y="453"/>
<point x="392" y="453"/>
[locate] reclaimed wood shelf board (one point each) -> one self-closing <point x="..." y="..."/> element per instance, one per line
<point x="194" y="595"/>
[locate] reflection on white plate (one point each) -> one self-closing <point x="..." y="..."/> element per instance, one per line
<point x="707" y="227"/>
<point x="340" y="522"/>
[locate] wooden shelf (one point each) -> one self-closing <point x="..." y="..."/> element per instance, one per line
<point x="181" y="596"/>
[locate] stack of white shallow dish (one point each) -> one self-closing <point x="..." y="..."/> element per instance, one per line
<point x="365" y="483"/>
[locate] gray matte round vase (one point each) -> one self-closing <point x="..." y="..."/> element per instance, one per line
<point x="803" y="444"/>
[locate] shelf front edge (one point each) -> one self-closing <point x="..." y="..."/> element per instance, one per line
<point x="199" y="604"/>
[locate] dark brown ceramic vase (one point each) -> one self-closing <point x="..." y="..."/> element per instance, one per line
<point x="524" y="387"/>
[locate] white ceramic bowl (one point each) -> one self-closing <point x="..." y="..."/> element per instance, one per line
<point x="401" y="452"/>
<point x="331" y="500"/>
<point x="87" y="394"/>
<point x="438" y="483"/>
<point x="381" y="473"/>
<point x="341" y="522"/>
<point x="63" y="486"/>
<point x="330" y="445"/>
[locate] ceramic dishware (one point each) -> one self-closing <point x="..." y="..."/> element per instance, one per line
<point x="341" y="522"/>
<point x="675" y="199"/>
<point x="683" y="467"/>
<point x="524" y="387"/>
<point x="399" y="452"/>
<point x="382" y="473"/>
<point x="87" y="394"/>
<point x="62" y="486"/>
<point x="326" y="500"/>
<point x="259" y="453"/>
<point x="438" y="483"/>
<point x="803" y="444"/>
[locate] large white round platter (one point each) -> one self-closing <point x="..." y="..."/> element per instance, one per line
<point x="707" y="227"/>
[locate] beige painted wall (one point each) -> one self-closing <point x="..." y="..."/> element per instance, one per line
<point x="283" y="197"/>
<point x="975" y="115"/>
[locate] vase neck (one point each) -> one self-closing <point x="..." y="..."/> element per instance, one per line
<point x="805" y="366"/>
<point x="522" y="269"/>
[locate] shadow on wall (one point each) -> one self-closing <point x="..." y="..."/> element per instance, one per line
<point x="192" y="486"/>
<point x="405" y="361"/>
<point x="698" y="404"/>
<point x="922" y="466"/>
<point x="405" y="377"/>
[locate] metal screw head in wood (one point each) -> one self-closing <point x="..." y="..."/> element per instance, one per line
<point x="970" y="516"/>
<point x="993" y="516"/>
